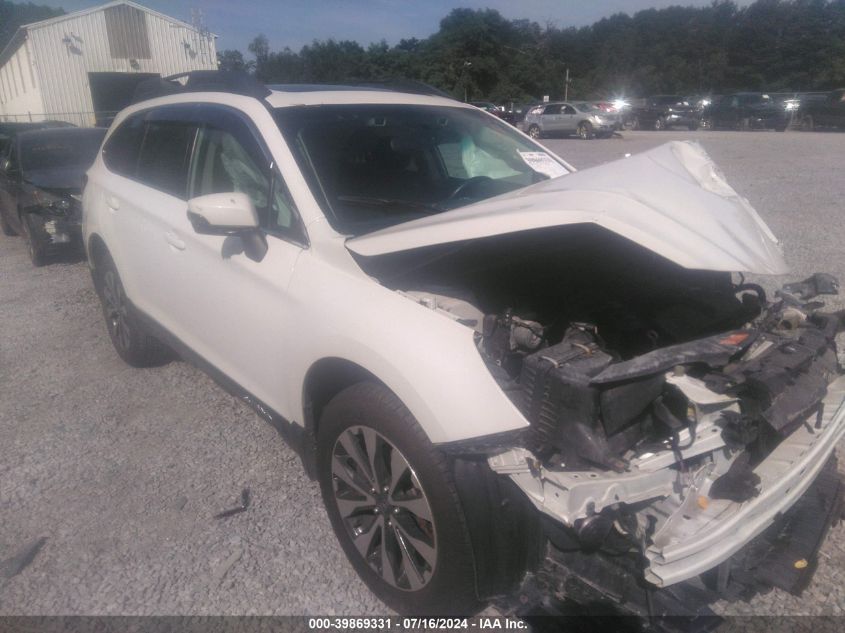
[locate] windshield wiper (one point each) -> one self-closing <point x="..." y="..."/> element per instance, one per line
<point x="389" y="202"/>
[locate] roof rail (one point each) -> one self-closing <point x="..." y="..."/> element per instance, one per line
<point x="230" y="81"/>
<point x="406" y="85"/>
<point x="387" y="85"/>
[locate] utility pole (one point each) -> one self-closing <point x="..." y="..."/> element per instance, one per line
<point x="566" y="86"/>
<point x="466" y="65"/>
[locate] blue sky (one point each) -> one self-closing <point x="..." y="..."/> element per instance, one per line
<point x="294" y="23"/>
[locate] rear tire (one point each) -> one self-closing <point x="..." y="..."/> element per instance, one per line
<point x="392" y="502"/>
<point x="131" y="341"/>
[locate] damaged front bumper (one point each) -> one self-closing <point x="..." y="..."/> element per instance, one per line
<point x="681" y="530"/>
<point x="61" y="230"/>
<point x="59" y="226"/>
<point x="708" y="533"/>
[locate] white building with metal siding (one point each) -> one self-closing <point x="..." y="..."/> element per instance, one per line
<point x="69" y="67"/>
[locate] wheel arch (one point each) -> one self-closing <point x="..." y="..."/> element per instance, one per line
<point x="97" y="251"/>
<point x="324" y="379"/>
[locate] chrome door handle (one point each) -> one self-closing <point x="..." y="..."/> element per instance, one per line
<point x="174" y="241"/>
<point x="112" y="203"/>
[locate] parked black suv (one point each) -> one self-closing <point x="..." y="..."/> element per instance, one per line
<point x="664" y="111"/>
<point x="748" y="110"/>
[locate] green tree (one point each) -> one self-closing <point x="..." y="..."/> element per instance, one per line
<point x="14" y="15"/>
<point x="233" y="60"/>
<point x="768" y="45"/>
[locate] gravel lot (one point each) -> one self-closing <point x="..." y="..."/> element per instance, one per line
<point x="122" y="470"/>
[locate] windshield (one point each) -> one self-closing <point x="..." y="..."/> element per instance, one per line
<point x="60" y="150"/>
<point x="373" y="166"/>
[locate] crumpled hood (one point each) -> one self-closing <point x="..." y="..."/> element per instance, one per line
<point x="672" y="200"/>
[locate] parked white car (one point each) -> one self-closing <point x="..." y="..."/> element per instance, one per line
<point x="493" y="364"/>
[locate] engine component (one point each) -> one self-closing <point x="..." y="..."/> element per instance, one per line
<point x="785" y="383"/>
<point x="622" y="404"/>
<point x="560" y="403"/>
<point x="508" y="338"/>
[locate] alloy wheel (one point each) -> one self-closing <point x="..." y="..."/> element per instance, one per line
<point x="534" y="131"/>
<point x="384" y="508"/>
<point x="116" y="309"/>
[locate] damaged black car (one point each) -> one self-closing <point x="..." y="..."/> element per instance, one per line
<point x="41" y="180"/>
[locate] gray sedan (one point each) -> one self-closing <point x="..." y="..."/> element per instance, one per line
<point x="555" y="119"/>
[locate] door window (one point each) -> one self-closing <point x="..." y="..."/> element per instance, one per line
<point x="165" y="155"/>
<point x="552" y="109"/>
<point x="230" y="160"/>
<point x="569" y="110"/>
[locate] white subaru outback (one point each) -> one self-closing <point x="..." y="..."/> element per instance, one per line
<point x="501" y="371"/>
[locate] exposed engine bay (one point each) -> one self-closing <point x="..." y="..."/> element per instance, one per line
<point x="666" y="405"/>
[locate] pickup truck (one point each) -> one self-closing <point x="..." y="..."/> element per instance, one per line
<point x="829" y="112"/>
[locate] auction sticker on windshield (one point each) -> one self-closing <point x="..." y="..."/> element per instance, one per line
<point x="542" y="163"/>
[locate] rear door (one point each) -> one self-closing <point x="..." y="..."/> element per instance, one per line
<point x="727" y="112"/>
<point x="568" y="119"/>
<point x="148" y="156"/>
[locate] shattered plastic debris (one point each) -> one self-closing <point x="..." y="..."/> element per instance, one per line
<point x="245" y="500"/>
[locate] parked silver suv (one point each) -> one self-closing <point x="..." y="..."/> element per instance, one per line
<point x="583" y="119"/>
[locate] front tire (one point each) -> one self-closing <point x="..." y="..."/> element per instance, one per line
<point x="660" y="124"/>
<point x="35" y="237"/>
<point x="535" y="132"/>
<point x="392" y="503"/>
<point x="131" y="341"/>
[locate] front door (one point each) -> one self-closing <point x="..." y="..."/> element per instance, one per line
<point x="233" y="311"/>
<point x="568" y="119"/>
